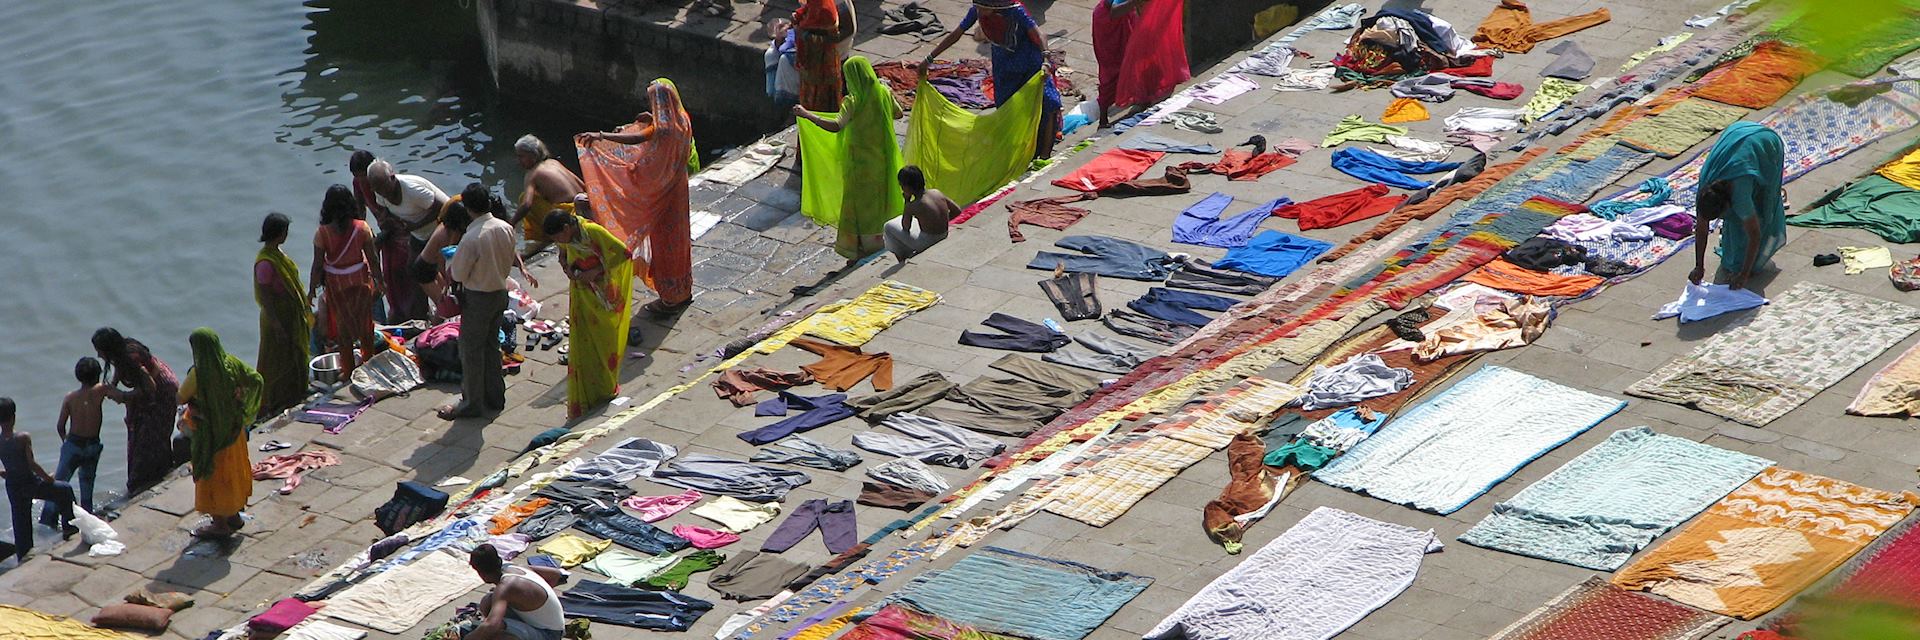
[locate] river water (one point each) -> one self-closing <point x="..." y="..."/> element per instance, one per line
<point x="144" y="142"/>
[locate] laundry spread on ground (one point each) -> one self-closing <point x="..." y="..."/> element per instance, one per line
<point x="397" y="599"/>
<point x="1404" y="110"/>
<point x="1511" y="27"/>
<point x="1002" y="591"/>
<point x="1874" y="591"/>
<point x="1765" y="542"/>
<point x="1449" y="450"/>
<point x="1356" y="129"/>
<point x="1273" y="253"/>
<point x="1699" y="302"/>
<point x="1340" y="208"/>
<point x="1373" y="167"/>
<point x="1600" y="508"/>
<point x="1761" y="78"/>
<point x="1680" y="127"/>
<point x="1894" y="390"/>
<point x="1596" y="609"/>
<point x="1807" y="339"/>
<point x="1323" y="575"/>
<point x="1875" y="203"/>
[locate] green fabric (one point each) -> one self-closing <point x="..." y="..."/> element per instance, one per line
<point x="1752" y="157"/>
<point x="968" y="156"/>
<point x="1861" y="40"/>
<point x="675" y="577"/>
<point x="628" y="568"/>
<point x="1306" y="455"/>
<point x="850" y="178"/>
<point x="1552" y="93"/>
<point x="226" y="398"/>
<point x="286" y="324"/>
<point x="1671" y="132"/>
<point x="1884" y="207"/>
<point x="1666" y="44"/>
<point x="1353" y="128"/>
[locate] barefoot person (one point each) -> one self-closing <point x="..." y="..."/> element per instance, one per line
<point x="1740" y="184"/>
<point x="923" y="223"/>
<point x="27" y="482"/>
<point x="598" y="302"/>
<point x="661" y="231"/>
<point x="79" y="429"/>
<point x="222" y="395"/>
<point x="522" y="606"/>
<point x="549" y="185"/>
<point x="151" y="399"/>
<point x="344" y="261"/>
<point x="286" y="319"/>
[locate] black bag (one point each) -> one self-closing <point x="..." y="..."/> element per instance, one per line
<point x="412" y="502"/>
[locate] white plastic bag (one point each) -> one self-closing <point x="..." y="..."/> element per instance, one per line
<point x="101" y="540"/>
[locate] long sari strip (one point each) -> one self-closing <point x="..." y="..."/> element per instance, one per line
<point x="285" y="326"/>
<point x="1142" y="51"/>
<point x="642" y="190"/>
<point x="967" y="155"/>
<point x="598" y="310"/>
<point x="849" y="183"/>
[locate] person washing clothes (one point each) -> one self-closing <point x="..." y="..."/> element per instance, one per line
<point x="1740" y="185"/>
<point x="522" y="606"/>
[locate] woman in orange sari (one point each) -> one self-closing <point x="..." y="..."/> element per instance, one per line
<point x="344" y="260"/>
<point x="656" y="215"/>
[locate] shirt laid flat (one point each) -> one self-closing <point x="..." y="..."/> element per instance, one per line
<point x="486" y="255"/>
<point x="1699" y="302"/>
<point x="571" y="550"/>
<point x="1341" y="208"/>
<point x="417" y="196"/>
<point x="1108" y="169"/>
<point x="1272" y="253"/>
<point x="737" y="515"/>
<point x="1373" y="167"/>
<point x="628" y="568"/>
<point x="840" y="367"/>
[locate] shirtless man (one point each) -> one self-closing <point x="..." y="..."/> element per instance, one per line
<point x="923" y="223"/>
<point x="522" y="606"/>
<point x="27" y="481"/>
<point x="550" y="185"/>
<point x="79" y="429"/>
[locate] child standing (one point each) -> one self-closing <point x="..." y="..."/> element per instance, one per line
<point x="79" y="429"/>
<point x="26" y="481"/>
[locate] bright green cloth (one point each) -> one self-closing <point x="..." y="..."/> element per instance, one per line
<point x="1887" y="208"/>
<point x="1552" y="93"/>
<point x="226" y="397"/>
<point x="1751" y="158"/>
<point x="675" y="578"/>
<point x="1353" y="128"/>
<point x="849" y="181"/>
<point x="968" y="156"/>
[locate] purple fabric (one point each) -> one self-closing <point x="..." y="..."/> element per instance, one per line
<point x="1201" y="223"/>
<point x="1673" y="227"/>
<point x="818" y="411"/>
<point x="835" y="522"/>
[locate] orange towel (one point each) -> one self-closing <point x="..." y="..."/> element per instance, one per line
<point x="1404" y="110"/>
<point x="1507" y="276"/>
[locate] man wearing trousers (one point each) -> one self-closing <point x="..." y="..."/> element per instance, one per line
<point x="480" y="265"/>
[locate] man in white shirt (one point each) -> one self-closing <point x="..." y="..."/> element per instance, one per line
<point x="412" y="205"/>
<point x="481" y="265"/>
<point x="523" y="605"/>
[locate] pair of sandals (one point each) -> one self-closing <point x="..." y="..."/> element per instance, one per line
<point x="210" y="532"/>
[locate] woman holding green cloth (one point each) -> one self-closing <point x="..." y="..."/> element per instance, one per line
<point x="222" y="395"/>
<point x="285" y="320"/>
<point x="849" y="180"/>
<point x="1740" y="185"/>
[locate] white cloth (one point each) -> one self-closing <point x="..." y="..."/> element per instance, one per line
<point x="736" y="515"/>
<point x="628" y="459"/>
<point x="1433" y="87"/>
<point x="748" y="166"/>
<point x="1271" y="62"/>
<point x="486" y="255"/>
<point x="1304" y="80"/>
<point x="1485" y="119"/>
<point x="417" y="196"/>
<point x="1360" y="377"/>
<point x="1588" y="228"/>
<point x="314" y="628"/>
<point x="909" y="473"/>
<point x="1699" y="302"/>
<point x="398" y="599"/>
<point x="1320" y="577"/>
<point x="1222" y="88"/>
<point x="1414" y="149"/>
<point x="1166" y="108"/>
<point x="1650" y="215"/>
<point x="1460" y="46"/>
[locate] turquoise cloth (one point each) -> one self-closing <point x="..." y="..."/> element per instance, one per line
<point x="1615" y="499"/>
<point x="1753" y="158"/>
<point x="1008" y="592"/>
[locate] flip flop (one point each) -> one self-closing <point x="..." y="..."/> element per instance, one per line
<point x="275" y="445"/>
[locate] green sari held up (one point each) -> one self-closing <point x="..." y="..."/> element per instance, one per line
<point x="850" y="179"/>
<point x="286" y="321"/>
<point x="598" y="311"/>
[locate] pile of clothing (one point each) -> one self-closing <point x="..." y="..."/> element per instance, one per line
<point x="1399" y="43"/>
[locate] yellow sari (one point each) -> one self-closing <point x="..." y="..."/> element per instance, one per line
<point x="599" y="311"/>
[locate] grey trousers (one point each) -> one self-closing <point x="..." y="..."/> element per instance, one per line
<point x="483" y="385"/>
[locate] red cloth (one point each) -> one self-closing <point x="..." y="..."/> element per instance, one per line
<point x="1141" y="51"/>
<point x="818" y="15"/>
<point x="1499" y="90"/>
<point x="1759" y="80"/>
<point x="1481" y="67"/>
<point x="1341" y="208"/>
<point x="1052" y="213"/>
<point x="1241" y="164"/>
<point x="1110" y="168"/>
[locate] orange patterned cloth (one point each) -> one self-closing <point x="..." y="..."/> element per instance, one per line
<point x="1506" y="276"/>
<point x="1511" y="27"/>
<point x="510" y="517"/>
<point x="1758" y="81"/>
<point x="1595" y="610"/>
<point x="1766" y="541"/>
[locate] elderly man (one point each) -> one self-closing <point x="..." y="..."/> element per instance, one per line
<point x="481" y="265"/>
<point x="412" y="205"/>
<point x="523" y="605"/>
<point x="550" y="185"/>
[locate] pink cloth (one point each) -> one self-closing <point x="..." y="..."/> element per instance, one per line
<point x="704" y="538"/>
<point x="657" y="508"/>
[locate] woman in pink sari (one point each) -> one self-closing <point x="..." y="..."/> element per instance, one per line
<point x="651" y="201"/>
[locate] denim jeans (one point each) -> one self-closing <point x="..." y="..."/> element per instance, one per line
<point x="1102" y="255"/>
<point x="80" y="456"/>
<point x="630" y="532"/>
<point x="20" y="496"/>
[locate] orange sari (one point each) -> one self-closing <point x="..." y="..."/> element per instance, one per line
<point x="642" y="188"/>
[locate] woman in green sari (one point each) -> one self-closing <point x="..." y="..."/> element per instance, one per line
<point x="1740" y="185"/>
<point x="222" y="395"/>
<point x="600" y="268"/>
<point x="285" y="320"/>
<point x="851" y="162"/>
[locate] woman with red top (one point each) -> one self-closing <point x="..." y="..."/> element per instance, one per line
<point x="345" y="262"/>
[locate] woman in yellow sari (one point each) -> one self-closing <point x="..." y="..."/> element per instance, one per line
<point x="285" y="320"/>
<point x="600" y="269"/>
<point x="222" y="395"/>
<point x="652" y="205"/>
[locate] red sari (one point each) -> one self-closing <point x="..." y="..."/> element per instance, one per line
<point x="1141" y="51"/>
<point x="644" y="190"/>
<point x="349" y="282"/>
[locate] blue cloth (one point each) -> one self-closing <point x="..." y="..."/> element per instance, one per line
<point x="1751" y="158"/>
<point x="1201" y="223"/>
<point x="1007" y="592"/>
<point x="1373" y="167"/>
<point x="1107" y="256"/>
<point x="1191" y="299"/>
<point x="1657" y="191"/>
<point x="1177" y="306"/>
<point x="1016" y="57"/>
<point x="1150" y="142"/>
<point x="1273" y="253"/>
<point x="819" y="411"/>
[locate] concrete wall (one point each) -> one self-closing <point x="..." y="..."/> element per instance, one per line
<point x="579" y="58"/>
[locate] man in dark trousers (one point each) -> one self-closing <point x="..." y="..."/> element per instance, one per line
<point x="27" y="482"/>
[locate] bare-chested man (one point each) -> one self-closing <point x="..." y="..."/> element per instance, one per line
<point x="79" y="429"/>
<point x="923" y="223"/>
<point x="522" y="606"/>
<point x="550" y="185"/>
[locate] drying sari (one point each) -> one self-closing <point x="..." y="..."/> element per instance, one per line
<point x="816" y="54"/>
<point x="150" y="417"/>
<point x="1141" y="51"/>
<point x="850" y="180"/>
<point x="598" y="311"/>
<point x="223" y="395"/>
<point x="1016" y="59"/>
<point x="285" y="330"/>
<point x="1752" y="157"/>
<point x="640" y="194"/>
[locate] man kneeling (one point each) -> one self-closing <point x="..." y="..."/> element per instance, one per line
<point x="522" y="606"/>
